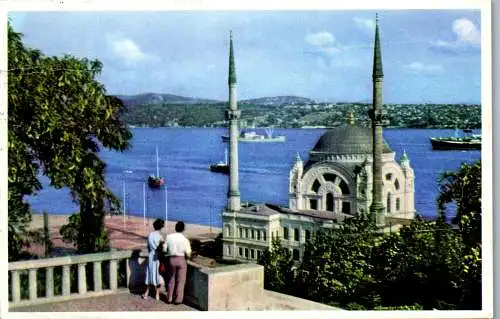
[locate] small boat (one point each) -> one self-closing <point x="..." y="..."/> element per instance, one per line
<point x="221" y="167"/>
<point x="467" y="141"/>
<point x="252" y="136"/>
<point x="155" y="181"/>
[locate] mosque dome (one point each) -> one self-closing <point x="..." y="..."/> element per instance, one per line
<point x="347" y="140"/>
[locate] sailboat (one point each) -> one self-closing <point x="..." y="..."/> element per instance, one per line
<point x="221" y="167"/>
<point x="156" y="181"/>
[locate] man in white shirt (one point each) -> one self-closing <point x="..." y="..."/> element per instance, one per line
<point x="177" y="248"/>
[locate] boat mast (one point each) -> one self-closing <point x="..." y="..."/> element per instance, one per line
<point x="157" y="168"/>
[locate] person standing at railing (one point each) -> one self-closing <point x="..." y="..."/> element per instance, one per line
<point x="155" y="243"/>
<point x="177" y="248"/>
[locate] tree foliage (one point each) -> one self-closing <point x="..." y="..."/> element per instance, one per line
<point x="59" y="117"/>
<point x="278" y="267"/>
<point x="424" y="265"/>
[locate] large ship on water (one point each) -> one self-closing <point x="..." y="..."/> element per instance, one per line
<point x="467" y="141"/>
<point x="252" y="136"/>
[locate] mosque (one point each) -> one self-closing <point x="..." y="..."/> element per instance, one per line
<point x="350" y="170"/>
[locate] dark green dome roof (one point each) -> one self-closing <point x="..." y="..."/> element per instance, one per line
<point x="348" y="139"/>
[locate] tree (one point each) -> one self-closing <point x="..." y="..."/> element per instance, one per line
<point x="337" y="264"/>
<point x="463" y="189"/>
<point x="278" y="267"/>
<point x="59" y="118"/>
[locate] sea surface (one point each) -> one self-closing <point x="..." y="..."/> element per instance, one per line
<point x="196" y="195"/>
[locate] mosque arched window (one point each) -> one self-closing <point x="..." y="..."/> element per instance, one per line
<point x="329" y="202"/>
<point x="346" y="207"/>
<point x="396" y="184"/>
<point x="313" y="204"/>
<point x="315" y="186"/>
<point x="329" y="177"/>
<point x="388" y="208"/>
<point x="343" y="187"/>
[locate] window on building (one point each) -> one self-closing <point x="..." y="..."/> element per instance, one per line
<point x="308" y="235"/>
<point x="228" y="250"/>
<point x="258" y="235"/>
<point x="343" y="187"/>
<point x="315" y="186"/>
<point x="252" y="254"/>
<point x="346" y="207"/>
<point x="388" y="176"/>
<point x="388" y="208"/>
<point x="295" y="254"/>
<point x="228" y="230"/>
<point x="253" y="233"/>
<point x="240" y="251"/>
<point x="329" y="202"/>
<point x="396" y="184"/>
<point x="329" y="177"/>
<point x="241" y="232"/>
<point x="246" y="253"/>
<point x="246" y="233"/>
<point x="258" y="254"/>
<point x="263" y="235"/>
<point x="398" y="204"/>
<point x="285" y="232"/>
<point x="296" y="234"/>
<point x="313" y="203"/>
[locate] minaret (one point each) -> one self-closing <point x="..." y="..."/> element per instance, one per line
<point x="232" y="116"/>
<point x="377" y="206"/>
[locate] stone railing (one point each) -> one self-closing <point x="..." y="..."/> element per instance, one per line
<point x="224" y="287"/>
<point x="69" y="276"/>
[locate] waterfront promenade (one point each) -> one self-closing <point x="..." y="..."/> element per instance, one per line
<point x="130" y="235"/>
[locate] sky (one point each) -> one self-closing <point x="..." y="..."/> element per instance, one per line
<point x="429" y="56"/>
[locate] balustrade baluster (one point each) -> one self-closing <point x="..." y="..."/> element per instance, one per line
<point x="127" y="270"/>
<point x="113" y="274"/>
<point x="66" y="280"/>
<point x="32" y="283"/>
<point x="49" y="282"/>
<point x="82" y="279"/>
<point x="16" y="286"/>
<point x="97" y="276"/>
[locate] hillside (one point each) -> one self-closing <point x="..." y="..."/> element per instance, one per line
<point x="160" y="98"/>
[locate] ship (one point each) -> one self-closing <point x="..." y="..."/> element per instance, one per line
<point x="467" y="141"/>
<point x="156" y="181"/>
<point x="253" y="137"/>
<point x="220" y="167"/>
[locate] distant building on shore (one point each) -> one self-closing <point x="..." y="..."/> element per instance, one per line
<point x="344" y="175"/>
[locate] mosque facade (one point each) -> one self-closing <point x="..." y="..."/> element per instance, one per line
<point x="350" y="170"/>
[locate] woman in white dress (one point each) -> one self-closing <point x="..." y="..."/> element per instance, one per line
<point x="155" y="240"/>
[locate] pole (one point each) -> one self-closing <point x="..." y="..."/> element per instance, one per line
<point x="124" y="201"/>
<point x="144" y="202"/>
<point x="166" y="206"/>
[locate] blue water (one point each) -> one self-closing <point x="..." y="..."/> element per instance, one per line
<point x="196" y="195"/>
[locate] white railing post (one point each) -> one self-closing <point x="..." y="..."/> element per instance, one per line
<point x="113" y="270"/>
<point x="127" y="271"/>
<point x="97" y="276"/>
<point x="16" y="286"/>
<point x="82" y="279"/>
<point x="49" y="282"/>
<point x="32" y="283"/>
<point x="66" y="281"/>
